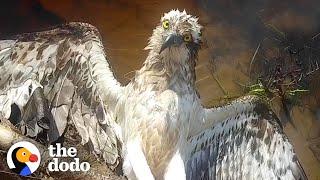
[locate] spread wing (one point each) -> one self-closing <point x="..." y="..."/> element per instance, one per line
<point x="248" y="144"/>
<point x="69" y="65"/>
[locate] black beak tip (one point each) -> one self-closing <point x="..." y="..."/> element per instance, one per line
<point x="172" y="40"/>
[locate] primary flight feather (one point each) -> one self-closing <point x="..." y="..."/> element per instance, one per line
<point x="156" y="123"/>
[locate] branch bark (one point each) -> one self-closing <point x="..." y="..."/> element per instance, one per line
<point x="9" y="135"/>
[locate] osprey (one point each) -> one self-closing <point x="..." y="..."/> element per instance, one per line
<point x="155" y="124"/>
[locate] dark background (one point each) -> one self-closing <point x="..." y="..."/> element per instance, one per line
<point x="234" y="29"/>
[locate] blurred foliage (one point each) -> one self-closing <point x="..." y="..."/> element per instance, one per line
<point x="285" y="65"/>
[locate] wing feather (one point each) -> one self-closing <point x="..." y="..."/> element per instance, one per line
<point x="248" y="145"/>
<point x="70" y="65"/>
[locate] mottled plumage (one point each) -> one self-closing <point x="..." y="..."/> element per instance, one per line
<point x="70" y="65"/>
<point x="156" y="123"/>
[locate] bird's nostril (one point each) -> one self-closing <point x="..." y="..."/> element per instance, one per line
<point x="33" y="158"/>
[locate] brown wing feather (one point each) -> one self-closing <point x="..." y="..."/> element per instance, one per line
<point x="70" y="65"/>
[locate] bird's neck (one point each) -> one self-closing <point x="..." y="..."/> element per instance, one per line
<point x="167" y="72"/>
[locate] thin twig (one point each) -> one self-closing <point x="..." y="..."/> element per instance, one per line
<point x="315" y="36"/>
<point x="212" y="103"/>
<point x="252" y="59"/>
<point x="219" y="84"/>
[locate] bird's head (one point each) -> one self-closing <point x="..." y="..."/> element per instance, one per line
<point x="23" y="155"/>
<point x="177" y="37"/>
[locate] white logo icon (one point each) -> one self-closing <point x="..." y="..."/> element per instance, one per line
<point x="23" y="158"/>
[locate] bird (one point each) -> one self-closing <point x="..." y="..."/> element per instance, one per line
<point x="20" y="156"/>
<point x="155" y="126"/>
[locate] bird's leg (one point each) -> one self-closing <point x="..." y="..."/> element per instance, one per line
<point x="37" y="118"/>
<point x="175" y="169"/>
<point x="136" y="161"/>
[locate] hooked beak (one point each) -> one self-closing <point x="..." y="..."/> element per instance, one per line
<point x="172" y="40"/>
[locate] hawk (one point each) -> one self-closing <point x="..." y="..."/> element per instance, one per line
<point x="156" y="123"/>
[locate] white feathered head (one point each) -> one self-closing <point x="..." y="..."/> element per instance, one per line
<point x="177" y="32"/>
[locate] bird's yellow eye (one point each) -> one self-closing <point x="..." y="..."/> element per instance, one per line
<point x="187" y="37"/>
<point x="165" y="24"/>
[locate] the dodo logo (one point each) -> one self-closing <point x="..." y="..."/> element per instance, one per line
<point x="23" y="158"/>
